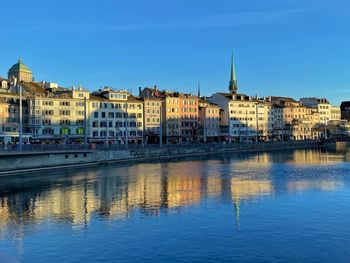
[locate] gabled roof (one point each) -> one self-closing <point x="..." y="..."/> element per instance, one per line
<point x="284" y="99"/>
<point x="33" y="87"/>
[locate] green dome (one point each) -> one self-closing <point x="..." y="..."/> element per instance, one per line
<point x="19" y="66"/>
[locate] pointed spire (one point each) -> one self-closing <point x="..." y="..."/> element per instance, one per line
<point x="233" y="80"/>
<point x="199" y="90"/>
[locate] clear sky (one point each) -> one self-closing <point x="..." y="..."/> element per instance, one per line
<point x="289" y="48"/>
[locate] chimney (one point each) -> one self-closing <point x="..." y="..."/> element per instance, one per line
<point x="155" y="87"/>
<point x="140" y="90"/>
<point x="73" y="87"/>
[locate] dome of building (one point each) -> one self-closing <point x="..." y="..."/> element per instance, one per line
<point x="21" y="72"/>
<point x="19" y="66"/>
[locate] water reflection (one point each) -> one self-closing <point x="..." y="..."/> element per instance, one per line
<point x="118" y="192"/>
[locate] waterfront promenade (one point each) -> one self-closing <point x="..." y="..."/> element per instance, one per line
<point x="35" y="157"/>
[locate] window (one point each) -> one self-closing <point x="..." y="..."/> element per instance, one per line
<point x="95" y="114"/>
<point x="64" y="103"/>
<point x="65" y="131"/>
<point x="65" y="112"/>
<point x="80" y="131"/>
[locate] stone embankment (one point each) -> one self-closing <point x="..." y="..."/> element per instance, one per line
<point x="32" y="161"/>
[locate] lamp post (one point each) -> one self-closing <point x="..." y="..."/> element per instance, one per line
<point x="85" y="124"/>
<point x="126" y="124"/>
<point x="160" y="126"/>
<point x="20" y="120"/>
<point x="257" y="122"/>
<point x="107" y="120"/>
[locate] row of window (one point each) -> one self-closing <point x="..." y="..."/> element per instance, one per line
<point x="117" y="115"/>
<point x="152" y="120"/>
<point x="62" y="131"/>
<point x="61" y="103"/>
<point x="110" y="105"/>
<point x="117" y="124"/>
<point x="116" y="133"/>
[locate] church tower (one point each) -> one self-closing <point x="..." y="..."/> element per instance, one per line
<point x="233" y="80"/>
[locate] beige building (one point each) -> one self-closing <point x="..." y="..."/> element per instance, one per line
<point x="299" y="122"/>
<point x="209" y="120"/>
<point x="116" y="117"/>
<point x="239" y="113"/>
<point x="152" y="119"/>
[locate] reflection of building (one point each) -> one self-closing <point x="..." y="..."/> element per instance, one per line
<point x="304" y="185"/>
<point x="315" y="156"/>
<point x="245" y="189"/>
<point x="183" y="190"/>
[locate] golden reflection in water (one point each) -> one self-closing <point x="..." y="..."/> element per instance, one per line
<point x="304" y="185"/>
<point x="183" y="185"/>
<point x="316" y="156"/>
<point x="245" y="189"/>
<point x="116" y="192"/>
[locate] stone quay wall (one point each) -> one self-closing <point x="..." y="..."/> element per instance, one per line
<point x="34" y="161"/>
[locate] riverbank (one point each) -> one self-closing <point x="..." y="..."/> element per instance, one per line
<point x="25" y="162"/>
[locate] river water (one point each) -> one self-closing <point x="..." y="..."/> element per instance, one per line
<point x="290" y="206"/>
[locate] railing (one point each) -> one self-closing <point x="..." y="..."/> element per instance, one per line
<point x="114" y="147"/>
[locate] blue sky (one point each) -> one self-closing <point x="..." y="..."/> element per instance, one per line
<point x="292" y="47"/>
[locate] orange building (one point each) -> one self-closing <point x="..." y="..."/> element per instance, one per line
<point x="179" y="114"/>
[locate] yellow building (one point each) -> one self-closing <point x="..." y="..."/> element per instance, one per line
<point x="55" y="114"/>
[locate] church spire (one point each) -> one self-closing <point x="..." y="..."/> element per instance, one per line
<point x="199" y="90"/>
<point x="233" y="80"/>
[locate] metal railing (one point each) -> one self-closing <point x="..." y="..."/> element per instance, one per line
<point x="115" y="147"/>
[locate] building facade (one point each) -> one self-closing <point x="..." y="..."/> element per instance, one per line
<point x="208" y="121"/>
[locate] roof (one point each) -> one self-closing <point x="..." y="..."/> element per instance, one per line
<point x="201" y="100"/>
<point x="33" y="87"/>
<point x="236" y="96"/>
<point x="285" y="99"/>
<point x="100" y="97"/>
<point x="19" y="66"/>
